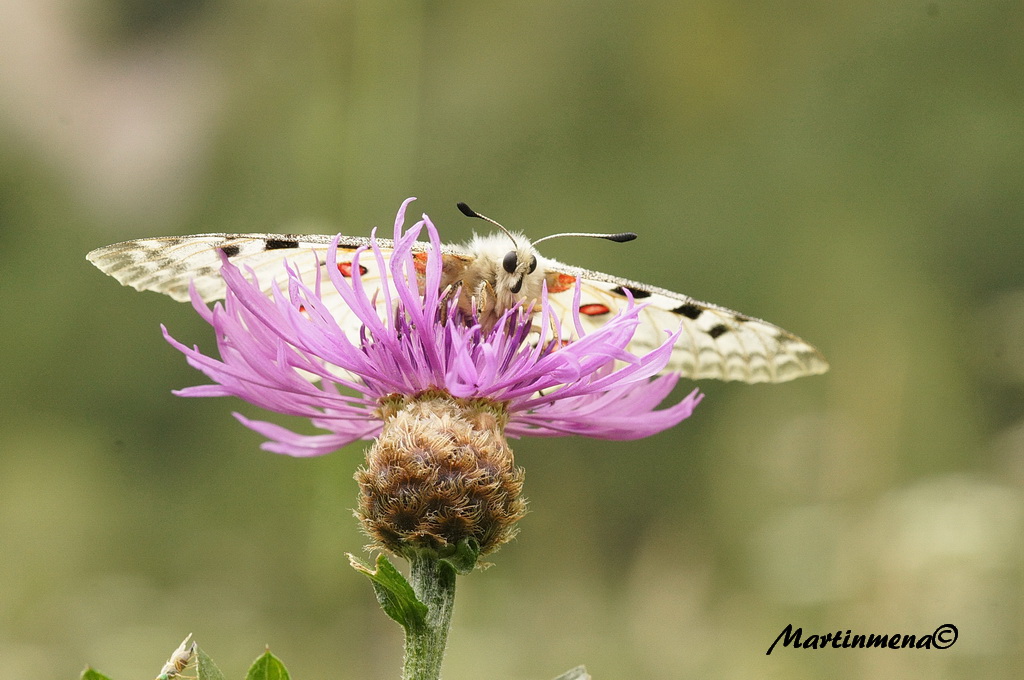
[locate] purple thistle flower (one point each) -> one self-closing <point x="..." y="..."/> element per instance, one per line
<point x="270" y="346"/>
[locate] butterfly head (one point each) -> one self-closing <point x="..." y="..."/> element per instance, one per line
<point x="518" y="264"/>
<point x="520" y="273"/>
<point x="504" y="272"/>
<point x="513" y="271"/>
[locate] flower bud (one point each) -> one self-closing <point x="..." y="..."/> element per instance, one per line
<point x="440" y="472"/>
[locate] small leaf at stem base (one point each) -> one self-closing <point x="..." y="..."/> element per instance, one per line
<point x="267" y="667"/>
<point x="206" y="669"/>
<point x="90" y="674"/>
<point x="393" y="592"/>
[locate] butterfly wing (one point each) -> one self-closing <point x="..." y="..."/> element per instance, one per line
<point x="715" y="342"/>
<point x="168" y="264"/>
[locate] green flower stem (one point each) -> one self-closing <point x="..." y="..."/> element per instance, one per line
<point x="433" y="581"/>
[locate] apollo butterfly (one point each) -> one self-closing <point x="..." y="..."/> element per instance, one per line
<point x="715" y="342"/>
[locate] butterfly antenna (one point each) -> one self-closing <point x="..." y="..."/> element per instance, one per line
<point x="469" y="212"/>
<point x="618" y="238"/>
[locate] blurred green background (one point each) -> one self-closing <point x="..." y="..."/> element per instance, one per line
<point x="852" y="172"/>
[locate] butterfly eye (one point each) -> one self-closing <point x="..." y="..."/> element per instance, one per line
<point x="533" y="264"/>
<point x="510" y="262"/>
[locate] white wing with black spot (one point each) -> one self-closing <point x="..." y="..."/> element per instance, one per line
<point x="168" y="264"/>
<point x="715" y="342"/>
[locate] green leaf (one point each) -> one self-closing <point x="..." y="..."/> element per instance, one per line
<point x="267" y="667"/>
<point x="467" y="552"/>
<point x="578" y="673"/>
<point x="393" y="592"/>
<point x="206" y="669"/>
<point x="90" y="674"/>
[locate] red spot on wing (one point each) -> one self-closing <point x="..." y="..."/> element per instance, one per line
<point x="594" y="309"/>
<point x="560" y="283"/>
<point x="419" y="263"/>
<point x="346" y="269"/>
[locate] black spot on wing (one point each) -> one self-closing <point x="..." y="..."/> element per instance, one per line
<point x="281" y="243"/>
<point x="636" y="292"/>
<point x="718" y="330"/>
<point x="231" y="251"/>
<point x="690" y="311"/>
